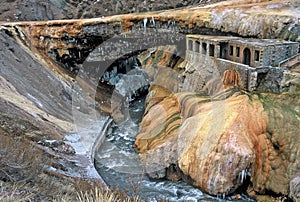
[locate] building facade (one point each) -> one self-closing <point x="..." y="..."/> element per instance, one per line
<point x="251" y="58"/>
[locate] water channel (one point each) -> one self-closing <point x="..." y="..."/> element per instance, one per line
<point x="118" y="163"/>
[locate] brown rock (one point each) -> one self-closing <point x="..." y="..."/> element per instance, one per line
<point x="231" y="77"/>
<point x="215" y="144"/>
<point x="281" y="161"/>
<point x="217" y="158"/>
<point x="160" y="122"/>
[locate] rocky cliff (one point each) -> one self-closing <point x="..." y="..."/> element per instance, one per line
<point x="30" y="10"/>
<point x="218" y="142"/>
<point x="38" y="125"/>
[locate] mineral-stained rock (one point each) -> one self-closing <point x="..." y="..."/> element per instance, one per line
<point x="269" y="122"/>
<point x="216" y="158"/>
<point x="215" y="144"/>
<point x="166" y="112"/>
<point x="283" y="133"/>
<point x="231" y="77"/>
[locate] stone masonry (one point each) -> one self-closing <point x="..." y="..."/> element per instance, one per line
<point x="251" y="58"/>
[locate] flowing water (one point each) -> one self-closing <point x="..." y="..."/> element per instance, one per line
<point x="118" y="163"/>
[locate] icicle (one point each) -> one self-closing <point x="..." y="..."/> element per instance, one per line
<point x="223" y="195"/>
<point x="249" y="172"/>
<point x="145" y="22"/>
<point x="243" y="176"/>
<point x="115" y="69"/>
<point x="22" y="35"/>
<point x="152" y="21"/>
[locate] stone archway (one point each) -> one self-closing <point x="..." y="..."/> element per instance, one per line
<point x="246" y="56"/>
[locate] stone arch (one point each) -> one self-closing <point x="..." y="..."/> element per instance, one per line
<point x="246" y="56"/>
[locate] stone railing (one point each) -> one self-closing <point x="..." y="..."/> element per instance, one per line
<point x="294" y="60"/>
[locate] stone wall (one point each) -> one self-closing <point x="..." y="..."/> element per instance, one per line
<point x="240" y="57"/>
<point x="202" y="68"/>
<point x="244" y="72"/>
<point x="262" y="52"/>
<point x="204" y="62"/>
<point x="199" y="69"/>
<point x="273" y="55"/>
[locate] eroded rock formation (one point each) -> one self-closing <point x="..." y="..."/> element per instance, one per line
<point x="218" y="138"/>
<point x="217" y="143"/>
<point x="180" y="129"/>
<point x="40" y="103"/>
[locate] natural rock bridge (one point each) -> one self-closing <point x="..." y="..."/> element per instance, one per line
<point x="58" y="107"/>
<point x="248" y="20"/>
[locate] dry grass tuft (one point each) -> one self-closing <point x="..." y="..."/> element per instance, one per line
<point x="23" y="178"/>
<point x="98" y="195"/>
<point x="14" y="193"/>
<point x="19" y="160"/>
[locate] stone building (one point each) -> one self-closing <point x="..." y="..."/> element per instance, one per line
<point x="251" y="58"/>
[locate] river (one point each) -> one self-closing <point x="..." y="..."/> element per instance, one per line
<point x="118" y="163"/>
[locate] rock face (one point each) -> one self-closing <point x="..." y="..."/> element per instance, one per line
<point x="282" y="163"/>
<point x="31" y="10"/>
<point x="19" y="73"/>
<point x="213" y="143"/>
<point x="218" y="143"/>
<point x="39" y="102"/>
